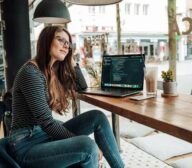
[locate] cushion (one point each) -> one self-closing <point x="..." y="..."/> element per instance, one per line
<point x="163" y="146"/>
<point x="182" y="163"/>
<point x="133" y="129"/>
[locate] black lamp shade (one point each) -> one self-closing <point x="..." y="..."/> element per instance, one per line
<point x="93" y="2"/>
<point x="51" y="11"/>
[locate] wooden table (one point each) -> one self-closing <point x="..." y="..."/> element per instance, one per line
<point x="172" y="115"/>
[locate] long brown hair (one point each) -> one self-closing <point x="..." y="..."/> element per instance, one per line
<point x="61" y="77"/>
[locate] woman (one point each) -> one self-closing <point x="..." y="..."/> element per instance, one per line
<point x="47" y="83"/>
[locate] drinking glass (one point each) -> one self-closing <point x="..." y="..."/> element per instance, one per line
<point x="151" y="74"/>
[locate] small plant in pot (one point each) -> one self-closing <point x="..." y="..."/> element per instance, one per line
<point x="169" y="84"/>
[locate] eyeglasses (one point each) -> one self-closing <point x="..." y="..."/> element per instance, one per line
<point x="64" y="42"/>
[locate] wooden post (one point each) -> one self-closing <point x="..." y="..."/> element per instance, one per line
<point x="115" y="117"/>
<point x="118" y="20"/>
<point x="172" y="36"/>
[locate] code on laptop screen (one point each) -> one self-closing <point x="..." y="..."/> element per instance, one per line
<point x="123" y="71"/>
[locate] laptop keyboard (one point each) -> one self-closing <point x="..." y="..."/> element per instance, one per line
<point x="117" y="90"/>
<point x="114" y="92"/>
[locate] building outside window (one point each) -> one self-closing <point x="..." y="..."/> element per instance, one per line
<point x="136" y="9"/>
<point x="102" y="9"/>
<point x="189" y="47"/>
<point x="190" y="13"/>
<point x="128" y="8"/>
<point x="145" y="9"/>
<point x="92" y="9"/>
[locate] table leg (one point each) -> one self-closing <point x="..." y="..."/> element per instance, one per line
<point x="115" y="125"/>
<point x="76" y="111"/>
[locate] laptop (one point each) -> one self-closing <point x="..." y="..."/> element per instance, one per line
<point x="122" y="75"/>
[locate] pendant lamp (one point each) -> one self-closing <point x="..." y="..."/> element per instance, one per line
<point x="51" y="11"/>
<point x="93" y="2"/>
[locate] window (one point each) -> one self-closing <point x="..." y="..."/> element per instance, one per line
<point x="92" y="9"/>
<point x="190" y="12"/>
<point x="128" y="8"/>
<point x="136" y="9"/>
<point x="101" y="9"/>
<point x="145" y="9"/>
<point x="151" y="50"/>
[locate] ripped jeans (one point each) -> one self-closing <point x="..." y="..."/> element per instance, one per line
<point x="33" y="148"/>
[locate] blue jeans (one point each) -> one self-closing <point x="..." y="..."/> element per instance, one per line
<point x="33" y="148"/>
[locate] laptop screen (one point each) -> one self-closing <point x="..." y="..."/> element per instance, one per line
<point x="123" y="71"/>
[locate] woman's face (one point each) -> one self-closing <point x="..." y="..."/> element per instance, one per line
<point x="60" y="47"/>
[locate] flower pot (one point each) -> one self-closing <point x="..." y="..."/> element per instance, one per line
<point x="169" y="87"/>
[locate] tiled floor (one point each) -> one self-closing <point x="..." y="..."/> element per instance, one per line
<point x="136" y="158"/>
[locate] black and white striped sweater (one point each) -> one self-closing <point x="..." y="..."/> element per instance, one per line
<point x="30" y="102"/>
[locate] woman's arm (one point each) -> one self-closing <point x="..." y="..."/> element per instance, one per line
<point x="80" y="80"/>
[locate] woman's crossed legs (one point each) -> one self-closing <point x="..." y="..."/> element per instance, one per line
<point x="80" y="149"/>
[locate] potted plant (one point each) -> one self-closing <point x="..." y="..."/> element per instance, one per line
<point x="169" y="84"/>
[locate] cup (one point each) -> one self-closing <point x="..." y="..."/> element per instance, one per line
<point x="151" y="74"/>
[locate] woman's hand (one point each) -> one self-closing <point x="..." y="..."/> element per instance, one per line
<point x="100" y="154"/>
<point x="73" y="62"/>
